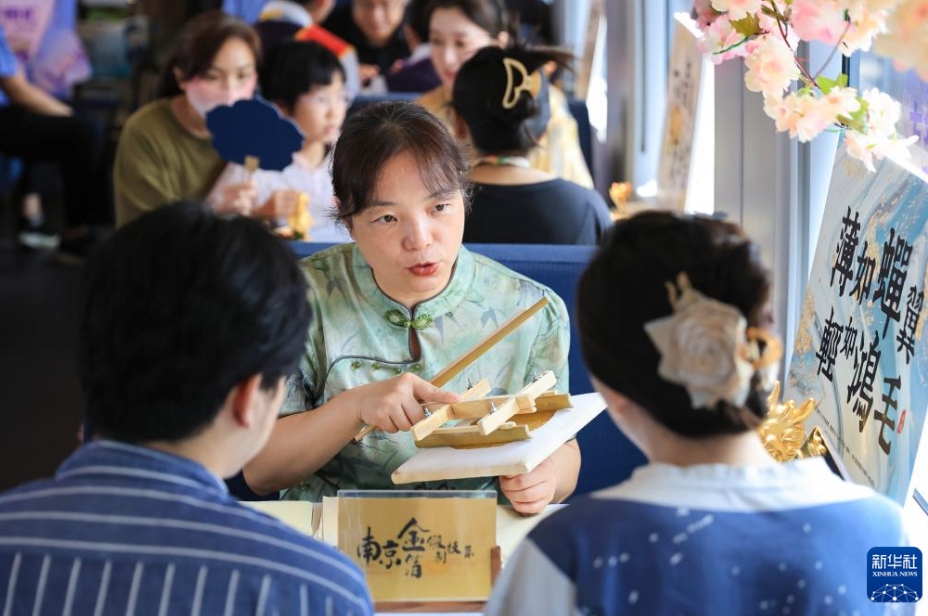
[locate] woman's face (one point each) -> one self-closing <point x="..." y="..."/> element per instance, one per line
<point x="231" y="77"/>
<point x="454" y="39"/>
<point x="377" y="19"/>
<point x="409" y="236"/>
<point x="320" y="112"/>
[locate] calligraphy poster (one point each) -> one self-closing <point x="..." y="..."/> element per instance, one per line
<point x="860" y="349"/>
<point x="433" y="546"/>
<point x="678" y="167"/>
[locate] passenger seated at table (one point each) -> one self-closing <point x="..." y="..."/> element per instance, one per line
<point x="417" y="72"/>
<point x="307" y="83"/>
<point x="373" y="27"/>
<point x="396" y="307"/>
<point x="165" y="151"/>
<point x="189" y="324"/>
<point x="674" y="325"/>
<point x="502" y="108"/>
<point x="460" y="28"/>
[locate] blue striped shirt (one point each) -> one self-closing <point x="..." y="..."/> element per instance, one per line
<point x="122" y="529"/>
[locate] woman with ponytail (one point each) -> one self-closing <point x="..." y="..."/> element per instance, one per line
<point x="502" y="106"/>
<point x="460" y="28"/>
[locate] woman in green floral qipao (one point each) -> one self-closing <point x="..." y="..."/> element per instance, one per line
<point x="394" y="308"/>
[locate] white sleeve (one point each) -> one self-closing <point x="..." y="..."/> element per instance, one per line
<point x="265" y="183"/>
<point x="530" y="584"/>
<point x="231" y="174"/>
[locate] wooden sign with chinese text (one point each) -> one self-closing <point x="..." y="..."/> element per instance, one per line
<point x="429" y="547"/>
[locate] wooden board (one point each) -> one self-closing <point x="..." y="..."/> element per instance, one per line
<point x="509" y="459"/>
<point x="469" y="436"/>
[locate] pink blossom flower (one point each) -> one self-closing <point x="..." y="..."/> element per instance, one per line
<point x="738" y="9"/>
<point x="901" y="31"/>
<point x="805" y="115"/>
<point x="825" y="111"/>
<point x="906" y="40"/>
<point x="771" y="66"/>
<point x="704" y="13"/>
<point x="860" y="33"/>
<point x="880" y="138"/>
<point x="721" y="36"/>
<point x="818" y="20"/>
<point x="785" y="111"/>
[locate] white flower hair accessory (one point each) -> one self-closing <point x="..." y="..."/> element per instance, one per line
<point x="707" y="348"/>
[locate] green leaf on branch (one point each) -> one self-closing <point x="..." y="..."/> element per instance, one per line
<point x="730" y="47"/>
<point x="826" y="85"/>
<point x="748" y="26"/>
<point x="857" y="121"/>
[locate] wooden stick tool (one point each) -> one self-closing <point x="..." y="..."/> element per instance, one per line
<point x="470" y="356"/>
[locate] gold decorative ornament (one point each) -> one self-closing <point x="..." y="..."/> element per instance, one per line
<point x="783" y="433"/>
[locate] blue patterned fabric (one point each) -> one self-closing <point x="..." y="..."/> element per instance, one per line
<point x="788" y="539"/>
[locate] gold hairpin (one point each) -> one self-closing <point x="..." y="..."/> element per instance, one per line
<point x="529" y="83"/>
<point x="772" y="351"/>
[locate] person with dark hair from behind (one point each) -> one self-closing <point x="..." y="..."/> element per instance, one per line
<point x="460" y="28"/>
<point x="417" y="72"/>
<point x="165" y="151"/>
<point x="674" y="325"/>
<point x="373" y="27"/>
<point x="501" y="103"/>
<point x="307" y="84"/>
<point x="189" y="324"/>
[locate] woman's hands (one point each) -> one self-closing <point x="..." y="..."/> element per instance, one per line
<point x="241" y="199"/>
<point x="237" y="199"/>
<point x="550" y="482"/>
<point x="532" y="492"/>
<point x="281" y="204"/>
<point x="395" y="404"/>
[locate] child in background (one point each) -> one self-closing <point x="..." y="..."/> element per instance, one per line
<point x="307" y="83"/>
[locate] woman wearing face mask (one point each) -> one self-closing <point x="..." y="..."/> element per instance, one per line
<point x="307" y="83"/>
<point x="460" y="28"/>
<point x="165" y="152"/>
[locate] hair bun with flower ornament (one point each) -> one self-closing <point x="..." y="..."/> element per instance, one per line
<point x="707" y="347"/>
